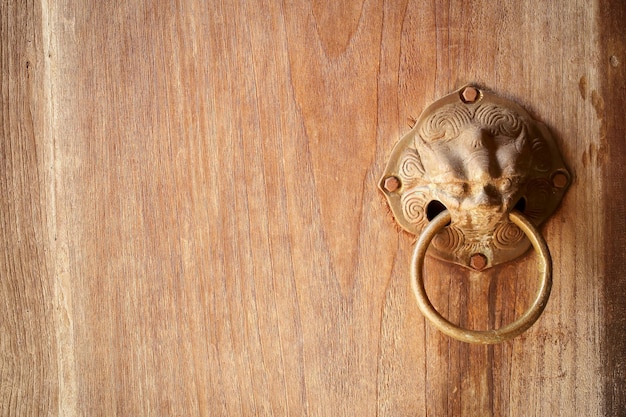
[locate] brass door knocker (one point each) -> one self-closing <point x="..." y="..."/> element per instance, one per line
<point x="475" y="176"/>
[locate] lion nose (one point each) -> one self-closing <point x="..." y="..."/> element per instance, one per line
<point x="487" y="197"/>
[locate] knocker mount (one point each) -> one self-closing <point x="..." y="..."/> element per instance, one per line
<point x="475" y="176"/>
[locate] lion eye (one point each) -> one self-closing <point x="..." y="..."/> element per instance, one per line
<point x="506" y="184"/>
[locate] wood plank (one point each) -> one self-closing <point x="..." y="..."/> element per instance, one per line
<point x="191" y="224"/>
<point x="28" y="352"/>
<point x="611" y="96"/>
<point x="522" y="51"/>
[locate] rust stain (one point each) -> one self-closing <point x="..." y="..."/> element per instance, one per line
<point x="596" y="153"/>
<point x="584" y="159"/>
<point x="582" y="87"/>
<point x="598" y="104"/>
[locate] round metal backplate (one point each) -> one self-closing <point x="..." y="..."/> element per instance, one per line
<point x="479" y="156"/>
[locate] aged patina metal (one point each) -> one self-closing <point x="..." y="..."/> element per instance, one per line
<point x="475" y="176"/>
<point x="479" y="156"/>
<point x="521" y="324"/>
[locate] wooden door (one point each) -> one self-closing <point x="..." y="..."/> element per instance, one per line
<point x="190" y="224"/>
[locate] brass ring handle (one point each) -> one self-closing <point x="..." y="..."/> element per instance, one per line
<point x="488" y="336"/>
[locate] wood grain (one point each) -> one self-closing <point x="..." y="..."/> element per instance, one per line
<point x="613" y="132"/>
<point x="28" y="351"/>
<point x="190" y="222"/>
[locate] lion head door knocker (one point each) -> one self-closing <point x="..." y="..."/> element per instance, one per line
<point x="475" y="176"/>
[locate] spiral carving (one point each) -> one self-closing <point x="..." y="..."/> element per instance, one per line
<point x="449" y="240"/>
<point x="414" y="205"/>
<point x="539" y="191"/>
<point x="507" y="235"/>
<point x="445" y="123"/>
<point x="503" y="121"/>
<point x="541" y="155"/>
<point x="411" y="167"/>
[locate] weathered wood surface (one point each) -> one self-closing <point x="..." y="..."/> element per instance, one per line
<point x="613" y="133"/>
<point x="190" y="223"/>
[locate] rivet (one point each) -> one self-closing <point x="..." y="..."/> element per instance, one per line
<point x="478" y="261"/>
<point x="469" y="94"/>
<point x="391" y="184"/>
<point x="559" y="180"/>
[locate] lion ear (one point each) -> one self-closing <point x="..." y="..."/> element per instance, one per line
<point x="521" y="140"/>
<point x="423" y="149"/>
<point x="420" y="143"/>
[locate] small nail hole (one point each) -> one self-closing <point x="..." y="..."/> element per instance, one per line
<point x="434" y="208"/>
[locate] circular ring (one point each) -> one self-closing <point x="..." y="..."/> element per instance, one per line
<point x="488" y="336"/>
